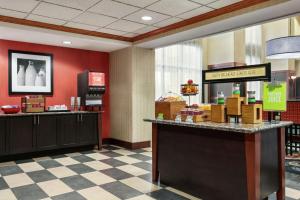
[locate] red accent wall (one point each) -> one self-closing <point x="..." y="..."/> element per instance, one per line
<point x="292" y="113"/>
<point x="67" y="63"/>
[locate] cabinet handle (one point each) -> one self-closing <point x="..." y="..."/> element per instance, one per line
<point x="78" y="116"/>
<point x="82" y="117"/>
<point x="38" y="120"/>
<point x="34" y="120"/>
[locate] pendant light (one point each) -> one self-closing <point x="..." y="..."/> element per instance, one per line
<point x="284" y="47"/>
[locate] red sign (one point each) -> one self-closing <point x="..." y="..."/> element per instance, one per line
<point x="96" y="79"/>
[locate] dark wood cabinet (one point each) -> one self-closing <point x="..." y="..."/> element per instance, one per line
<point x="38" y="132"/>
<point x="20" y="134"/>
<point x="68" y="130"/>
<point x="45" y="131"/>
<point x="88" y="126"/>
<point x="2" y="136"/>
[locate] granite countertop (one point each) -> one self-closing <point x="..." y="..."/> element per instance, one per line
<point x="47" y="113"/>
<point x="233" y="127"/>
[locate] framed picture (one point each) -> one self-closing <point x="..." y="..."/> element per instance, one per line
<point x="30" y="73"/>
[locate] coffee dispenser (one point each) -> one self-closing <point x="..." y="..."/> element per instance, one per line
<point x="91" y="87"/>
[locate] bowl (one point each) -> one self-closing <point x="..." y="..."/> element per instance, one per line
<point x="10" y="109"/>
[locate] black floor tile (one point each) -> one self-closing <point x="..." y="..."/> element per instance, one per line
<point x="47" y="164"/>
<point x="111" y="154"/>
<point x="58" y="156"/>
<point x="3" y="184"/>
<point x="82" y="158"/>
<point x="41" y="176"/>
<point x="69" y="196"/>
<point x="140" y="157"/>
<point x="9" y="170"/>
<point x="166" y="195"/>
<point x="113" y="162"/>
<point x="24" y="161"/>
<point x="121" y="190"/>
<point x="81" y="168"/>
<point x="77" y="182"/>
<point x="29" y="192"/>
<point x="144" y="165"/>
<point x="108" y="147"/>
<point x="116" y="173"/>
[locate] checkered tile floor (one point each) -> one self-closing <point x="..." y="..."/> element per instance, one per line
<point x="111" y="174"/>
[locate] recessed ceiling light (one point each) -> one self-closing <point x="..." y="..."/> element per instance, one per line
<point x="67" y="42"/>
<point x="146" y="18"/>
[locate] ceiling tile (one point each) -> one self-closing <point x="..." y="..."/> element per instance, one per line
<point x="54" y="11"/>
<point x="45" y="19"/>
<point x="12" y="13"/>
<point x="78" y="4"/>
<point x="203" y="2"/>
<point x="170" y="7"/>
<point x="168" y="22"/>
<point x="222" y="3"/>
<point x="112" y="8"/>
<point x="130" y="34"/>
<point x="19" y="5"/>
<point x="197" y="11"/>
<point x="81" y="26"/>
<point x="138" y="3"/>
<point x="145" y="30"/>
<point x="94" y="19"/>
<point x="156" y="17"/>
<point x="111" y="31"/>
<point x="126" y="26"/>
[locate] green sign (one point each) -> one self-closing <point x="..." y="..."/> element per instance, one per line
<point x="274" y="98"/>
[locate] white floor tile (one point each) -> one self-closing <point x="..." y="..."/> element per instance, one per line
<point x="96" y="192"/>
<point x="98" y="178"/>
<point x="140" y="185"/>
<point x="61" y="172"/>
<point x="292" y="193"/>
<point x="136" y="171"/>
<point x="54" y="187"/>
<point x="17" y="180"/>
<point x="97" y="156"/>
<point x="98" y="165"/>
<point x="127" y="159"/>
<point x="7" y="195"/>
<point x="182" y="193"/>
<point x="67" y="161"/>
<point x="30" y="167"/>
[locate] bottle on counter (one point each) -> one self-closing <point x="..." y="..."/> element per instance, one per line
<point x="220" y="98"/>
<point x="236" y="92"/>
<point x="251" y="97"/>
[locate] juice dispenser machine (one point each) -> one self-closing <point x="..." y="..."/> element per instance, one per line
<point x="91" y="87"/>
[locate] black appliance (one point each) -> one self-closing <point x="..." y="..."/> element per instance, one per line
<point x="91" y="87"/>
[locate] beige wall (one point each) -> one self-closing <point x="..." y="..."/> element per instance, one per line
<point x="279" y="28"/>
<point x="132" y="84"/>
<point x="120" y="79"/>
<point x="220" y="48"/>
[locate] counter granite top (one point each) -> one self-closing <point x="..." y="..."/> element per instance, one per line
<point x="233" y="127"/>
<point x="48" y="113"/>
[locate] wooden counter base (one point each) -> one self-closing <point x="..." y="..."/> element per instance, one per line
<point x="213" y="164"/>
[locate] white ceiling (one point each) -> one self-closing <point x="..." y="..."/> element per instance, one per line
<point x="50" y="37"/>
<point x="119" y="17"/>
<point x="285" y="9"/>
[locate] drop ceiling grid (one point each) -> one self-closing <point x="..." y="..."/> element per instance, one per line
<point x="82" y="14"/>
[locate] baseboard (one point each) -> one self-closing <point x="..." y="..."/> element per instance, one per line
<point x="125" y="144"/>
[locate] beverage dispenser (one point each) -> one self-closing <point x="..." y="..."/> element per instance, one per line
<point x="91" y="87"/>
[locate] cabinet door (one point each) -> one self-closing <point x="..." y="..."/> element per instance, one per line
<point x="88" y="129"/>
<point x="3" y="134"/>
<point x="46" y="133"/>
<point x="20" y="135"/>
<point x="67" y="130"/>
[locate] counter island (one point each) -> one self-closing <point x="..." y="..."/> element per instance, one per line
<point x="217" y="161"/>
